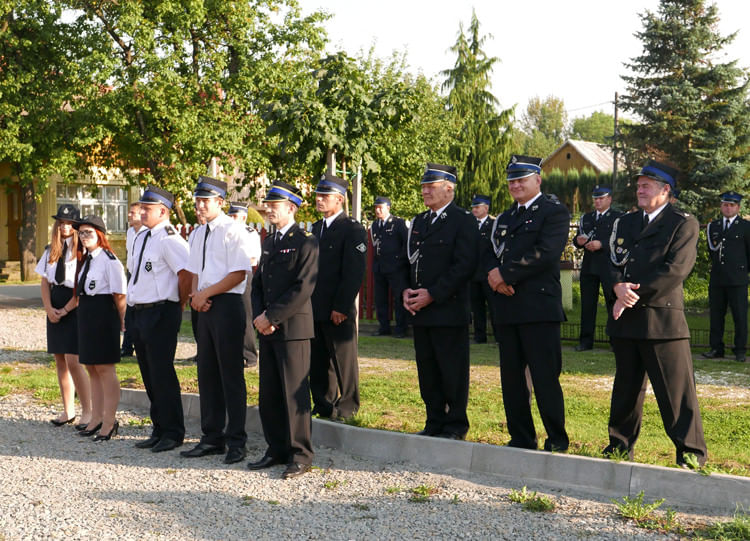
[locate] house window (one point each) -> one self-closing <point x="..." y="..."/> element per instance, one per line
<point x="567" y="155"/>
<point x="108" y="202"/>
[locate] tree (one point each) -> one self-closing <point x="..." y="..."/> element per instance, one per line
<point x="543" y="123"/>
<point x="187" y="83"/>
<point x="693" y="108"/>
<point x="46" y="73"/>
<point x="482" y="137"/>
<point x="597" y="127"/>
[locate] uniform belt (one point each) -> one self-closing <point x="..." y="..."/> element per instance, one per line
<point x="148" y="305"/>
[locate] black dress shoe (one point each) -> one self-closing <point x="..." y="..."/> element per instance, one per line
<point x="582" y="347"/>
<point x="266" y="462"/>
<point x="165" y="444"/>
<point x="81" y="426"/>
<point x="108" y="436"/>
<point x="126" y="352"/>
<point x="149" y="443"/>
<point x="611" y="450"/>
<point x="450" y="436"/>
<point x="203" y="449"/>
<point x="295" y="469"/>
<point x="713" y="354"/>
<point x="426" y="432"/>
<point x="234" y="454"/>
<point x="381" y="333"/>
<point x="399" y="334"/>
<point x="740" y="357"/>
<point x="90" y="432"/>
<point x="57" y="422"/>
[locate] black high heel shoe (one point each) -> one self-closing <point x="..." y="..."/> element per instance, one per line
<point x="57" y="422"/>
<point x="107" y="437"/>
<point x="86" y="433"/>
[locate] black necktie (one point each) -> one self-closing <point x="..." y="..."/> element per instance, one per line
<point x="60" y="269"/>
<point x="323" y="229"/>
<point x="84" y="273"/>
<point x="430" y="220"/>
<point x="521" y="209"/>
<point x="726" y="226"/>
<point x="205" y="241"/>
<point x="598" y="216"/>
<point x="140" y="257"/>
<point x="645" y="222"/>
<point x="277" y="238"/>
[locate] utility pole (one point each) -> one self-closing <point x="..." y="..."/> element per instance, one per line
<point x="614" y="152"/>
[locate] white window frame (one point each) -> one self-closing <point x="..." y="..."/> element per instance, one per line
<point x="108" y="201"/>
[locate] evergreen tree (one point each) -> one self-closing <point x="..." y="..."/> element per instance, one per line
<point x="693" y="108"/>
<point x="482" y="144"/>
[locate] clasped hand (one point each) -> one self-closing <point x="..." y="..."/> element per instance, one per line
<point x="497" y="283"/>
<point x="626" y="297"/>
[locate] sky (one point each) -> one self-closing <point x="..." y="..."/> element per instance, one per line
<point x="573" y="50"/>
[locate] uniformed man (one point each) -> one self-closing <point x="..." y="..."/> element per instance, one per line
<point x="134" y="227"/>
<point x="594" y="230"/>
<point x="388" y="234"/>
<point x="481" y="294"/>
<point x="442" y="252"/>
<point x="523" y="264"/>
<point x="157" y="292"/>
<point x="238" y="212"/>
<point x="729" y="246"/>
<point x="219" y="261"/>
<point x="342" y="241"/>
<point x="282" y="288"/>
<point x="652" y="252"/>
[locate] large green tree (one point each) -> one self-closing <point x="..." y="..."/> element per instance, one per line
<point x="189" y="81"/>
<point x="482" y="138"/>
<point x="598" y="127"/>
<point x="543" y="126"/>
<point x="692" y="106"/>
<point x="47" y="69"/>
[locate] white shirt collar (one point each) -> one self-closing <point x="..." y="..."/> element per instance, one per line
<point x="730" y="221"/>
<point x="330" y="219"/>
<point x="439" y="211"/>
<point x="482" y="220"/>
<point x="653" y="215"/>
<point x="528" y="203"/>
<point x="286" y="228"/>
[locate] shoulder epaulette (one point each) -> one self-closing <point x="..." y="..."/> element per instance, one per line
<point x="307" y="233"/>
<point x="250" y="228"/>
<point x="47" y="247"/>
<point x="110" y="254"/>
<point x="170" y="230"/>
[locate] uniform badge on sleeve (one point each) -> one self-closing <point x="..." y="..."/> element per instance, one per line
<point x="361" y="247"/>
<point x="148" y="266"/>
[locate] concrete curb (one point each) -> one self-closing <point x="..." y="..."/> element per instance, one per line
<point x="607" y="478"/>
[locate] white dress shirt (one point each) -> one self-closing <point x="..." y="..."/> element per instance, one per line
<point x="227" y="250"/>
<point x="105" y="275"/>
<point x="166" y="253"/>
<point x="47" y="269"/>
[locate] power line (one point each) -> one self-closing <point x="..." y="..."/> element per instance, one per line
<point x="588" y="106"/>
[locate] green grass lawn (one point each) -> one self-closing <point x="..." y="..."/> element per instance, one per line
<point x="391" y="401"/>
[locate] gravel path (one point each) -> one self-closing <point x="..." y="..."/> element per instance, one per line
<point x="57" y="485"/>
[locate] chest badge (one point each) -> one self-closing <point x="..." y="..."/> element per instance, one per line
<point x="361" y="247"/>
<point x="620" y="241"/>
<point x="92" y="284"/>
<point x="148" y="266"/>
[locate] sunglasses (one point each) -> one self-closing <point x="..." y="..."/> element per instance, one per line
<point x="86" y="233"/>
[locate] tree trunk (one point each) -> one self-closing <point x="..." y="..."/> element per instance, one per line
<point x="27" y="232"/>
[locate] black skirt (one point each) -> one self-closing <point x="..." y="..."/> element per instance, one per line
<point x="98" y="330"/>
<point x="62" y="337"/>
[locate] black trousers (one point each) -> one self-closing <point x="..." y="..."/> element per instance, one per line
<point x="334" y="369"/>
<point x="154" y="331"/>
<point x="221" y="371"/>
<point x="481" y="298"/>
<point x="530" y="354"/>
<point x="590" y="284"/>
<point x="669" y="366"/>
<point x="385" y="284"/>
<point x="442" y="355"/>
<point x="127" y="337"/>
<point x="284" y="399"/>
<point x="249" y="349"/>
<point x="735" y="297"/>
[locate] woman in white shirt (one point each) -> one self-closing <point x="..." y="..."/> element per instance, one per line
<point x="101" y="289"/>
<point x="57" y="266"/>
